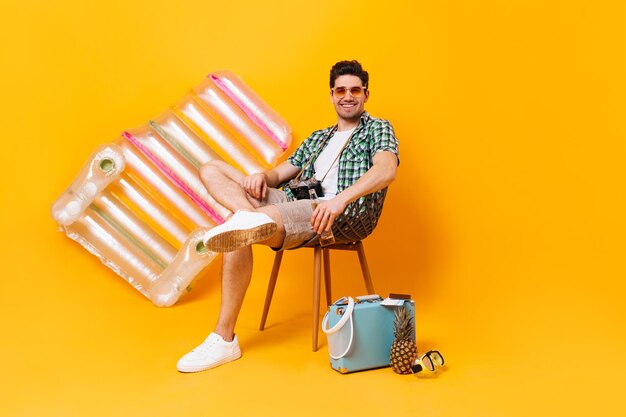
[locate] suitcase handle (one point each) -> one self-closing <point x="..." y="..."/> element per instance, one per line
<point x="339" y="325"/>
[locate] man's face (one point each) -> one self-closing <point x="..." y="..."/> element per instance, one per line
<point x="348" y="107"/>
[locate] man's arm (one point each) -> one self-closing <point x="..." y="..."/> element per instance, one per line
<point x="381" y="174"/>
<point x="256" y="184"/>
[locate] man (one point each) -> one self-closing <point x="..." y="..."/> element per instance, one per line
<point x="356" y="157"/>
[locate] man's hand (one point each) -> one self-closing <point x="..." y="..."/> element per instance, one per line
<point x="325" y="213"/>
<point x="255" y="185"/>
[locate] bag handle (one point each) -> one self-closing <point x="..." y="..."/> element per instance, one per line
<point x="347" y="315"/>
<point x="339" y="325"/>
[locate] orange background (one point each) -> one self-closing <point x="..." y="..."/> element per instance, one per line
<point x="506" y="222"/>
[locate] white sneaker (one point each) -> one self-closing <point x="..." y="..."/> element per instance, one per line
<point x="214" y="351"/>
<point x="243" y="229"/>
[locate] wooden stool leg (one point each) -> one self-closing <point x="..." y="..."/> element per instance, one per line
<point x="270" y="287"/>
<point x="317" y="272"/>
<point x="326" y="253"/>
<point x="366" y="271"/>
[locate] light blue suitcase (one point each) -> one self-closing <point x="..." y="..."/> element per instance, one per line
<point x="363" y="342"/>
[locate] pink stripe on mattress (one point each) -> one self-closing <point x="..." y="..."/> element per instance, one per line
<point x="248" y="112"/>
<point x="174" y="178"/>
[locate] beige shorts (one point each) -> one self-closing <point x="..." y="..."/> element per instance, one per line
<point x="296" y="216"/>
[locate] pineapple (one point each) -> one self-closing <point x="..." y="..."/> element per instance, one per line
<point x="403" y="349"/>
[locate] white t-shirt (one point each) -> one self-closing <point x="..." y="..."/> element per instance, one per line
<point x="326" y="158"/>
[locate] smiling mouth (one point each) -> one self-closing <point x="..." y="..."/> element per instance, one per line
<point x="348" y="105"/>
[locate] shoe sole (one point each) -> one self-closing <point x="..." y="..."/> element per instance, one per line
<point x="193" y="369"/>
<point x="232" y="240"/>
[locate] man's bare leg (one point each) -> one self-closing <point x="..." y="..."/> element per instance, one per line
<point x="224" y="183"/>
<point x="236" y="275"/>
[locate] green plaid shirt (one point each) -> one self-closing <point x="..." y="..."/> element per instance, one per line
<point x="372" y="135"/>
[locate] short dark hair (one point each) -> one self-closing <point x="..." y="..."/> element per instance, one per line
<point x="348" y="68"/>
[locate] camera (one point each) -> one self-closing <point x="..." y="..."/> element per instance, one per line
<point x="300" y="189"/>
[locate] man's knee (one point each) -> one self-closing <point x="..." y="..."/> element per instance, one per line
<point x="211" y="169"/>
<point x="272" y="211"/>
<point x="276" y="241"/>
<point x="235" y="257"/>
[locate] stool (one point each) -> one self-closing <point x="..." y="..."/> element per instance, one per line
<point x="319" y="253"/>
